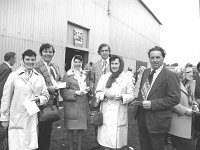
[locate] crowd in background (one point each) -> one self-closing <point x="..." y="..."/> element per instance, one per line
<point x="166" y="102"/>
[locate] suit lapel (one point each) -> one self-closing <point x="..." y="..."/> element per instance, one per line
<point x="159" y="80"/>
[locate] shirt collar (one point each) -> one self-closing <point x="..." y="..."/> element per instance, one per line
<point x="107" y="61"/>
<point x="46" y="63"/>
<point x="8" y="64"/>
<point x="158" y="70"/>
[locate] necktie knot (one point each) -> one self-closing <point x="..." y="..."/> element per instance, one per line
<point x="150" y="78"/>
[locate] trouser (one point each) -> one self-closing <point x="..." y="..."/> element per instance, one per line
<point x="44" y="139"/>
<point x="2" y="134"/>
<point x="149" y="141"/>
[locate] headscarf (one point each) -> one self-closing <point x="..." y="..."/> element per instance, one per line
<point x="115" y="75"/>
<point x="79" y="75"/>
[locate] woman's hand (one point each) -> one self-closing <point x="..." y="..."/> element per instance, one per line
<point x="118" y="97"/>
<point x="109" y="95"/>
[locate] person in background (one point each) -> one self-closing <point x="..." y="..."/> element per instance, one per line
<point x="5" y="70"/>
<point x="115" y="91"/>
<point x="181" y="134"/>
<point x="159" y="92"/>
<point x="51" y="75"/>
<point x="25" y="85"/>
<point x="75" y="101"/>
<point x="100" y="67"/>
<point x="197" y="96"/>
<point x="130" y="74"/>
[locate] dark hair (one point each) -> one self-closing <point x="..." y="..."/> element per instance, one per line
<point x="103" y="45"/>
<point x="157" y="48"/>
<point x="198" y="65"/>
<point x="188" y="65"/>
<point x="9" y="55"/>
<point x="29" y="53"/>
<point x="46" y="46"/>
<point x="115" y="75"/>
<point x="79" y="57"/>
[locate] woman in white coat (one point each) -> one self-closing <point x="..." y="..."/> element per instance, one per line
<point x="115" y="91"/>
<point x="23" y="86"/>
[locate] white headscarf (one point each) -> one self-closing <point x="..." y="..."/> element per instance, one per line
<point x="79" y="75"/>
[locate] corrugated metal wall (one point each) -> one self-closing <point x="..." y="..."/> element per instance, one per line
<point x="129" y="29"/>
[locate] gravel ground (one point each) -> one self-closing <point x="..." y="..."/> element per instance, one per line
<point x="59" y="136"/>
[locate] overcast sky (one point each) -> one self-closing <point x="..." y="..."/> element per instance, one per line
<point x="180" y="30"/>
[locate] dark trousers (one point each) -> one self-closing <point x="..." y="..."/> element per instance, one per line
<point x="44" y="139"/>
<point x="182" y="143"/>
<point x="149" y="141"/>
<point x="2" y="134"/>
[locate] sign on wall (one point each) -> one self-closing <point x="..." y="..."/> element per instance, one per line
<point x="78" y="37"/>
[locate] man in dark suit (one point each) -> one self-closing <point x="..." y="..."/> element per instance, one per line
<point x="159" y="92"/>
<point x="5" y="70"/>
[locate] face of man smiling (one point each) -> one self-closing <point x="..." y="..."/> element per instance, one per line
<point x="156" y="59"/>
<point x="47" y="55"/>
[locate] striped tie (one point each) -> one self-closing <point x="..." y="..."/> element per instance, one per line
<point x="147" y="85"/>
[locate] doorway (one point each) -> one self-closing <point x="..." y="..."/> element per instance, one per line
<point x="70" y="53"/>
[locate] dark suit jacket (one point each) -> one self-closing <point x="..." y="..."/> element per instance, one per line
<point x="4" y="73"/>
<point x="164" y="94"/>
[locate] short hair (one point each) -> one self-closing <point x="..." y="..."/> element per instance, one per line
<point x="46" y="46"/>
<point x="157" y="48"/>
<point x="29" y="53"/>
<point x="9" y="55"/>
<point x="188" y="65"/>
<point x="79" y="57"/>
<point x="198" y="66"/>
<point x="103" y="45"/>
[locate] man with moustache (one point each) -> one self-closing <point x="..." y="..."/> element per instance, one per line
<point x="159" y="92"/>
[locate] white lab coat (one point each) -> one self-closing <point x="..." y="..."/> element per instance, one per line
<point x="114" y="131"/>
<point x="22" y="129"/>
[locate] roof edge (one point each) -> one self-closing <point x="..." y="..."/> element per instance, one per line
<point x="143" y="4"/>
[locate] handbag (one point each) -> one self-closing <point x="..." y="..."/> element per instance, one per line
<point x="96" y="117"/>
<point x="49" y="113"/>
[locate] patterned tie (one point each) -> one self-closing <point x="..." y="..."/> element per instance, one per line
<point x="147" y="85"/>
<point x="52" y="72"/>
<point x="104" y="67"/>
<point x="150" y="78"/>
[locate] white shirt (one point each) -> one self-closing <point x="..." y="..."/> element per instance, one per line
<point x="8" y="64"/>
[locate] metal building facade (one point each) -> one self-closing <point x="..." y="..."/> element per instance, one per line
<point x="126" y="25"/>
